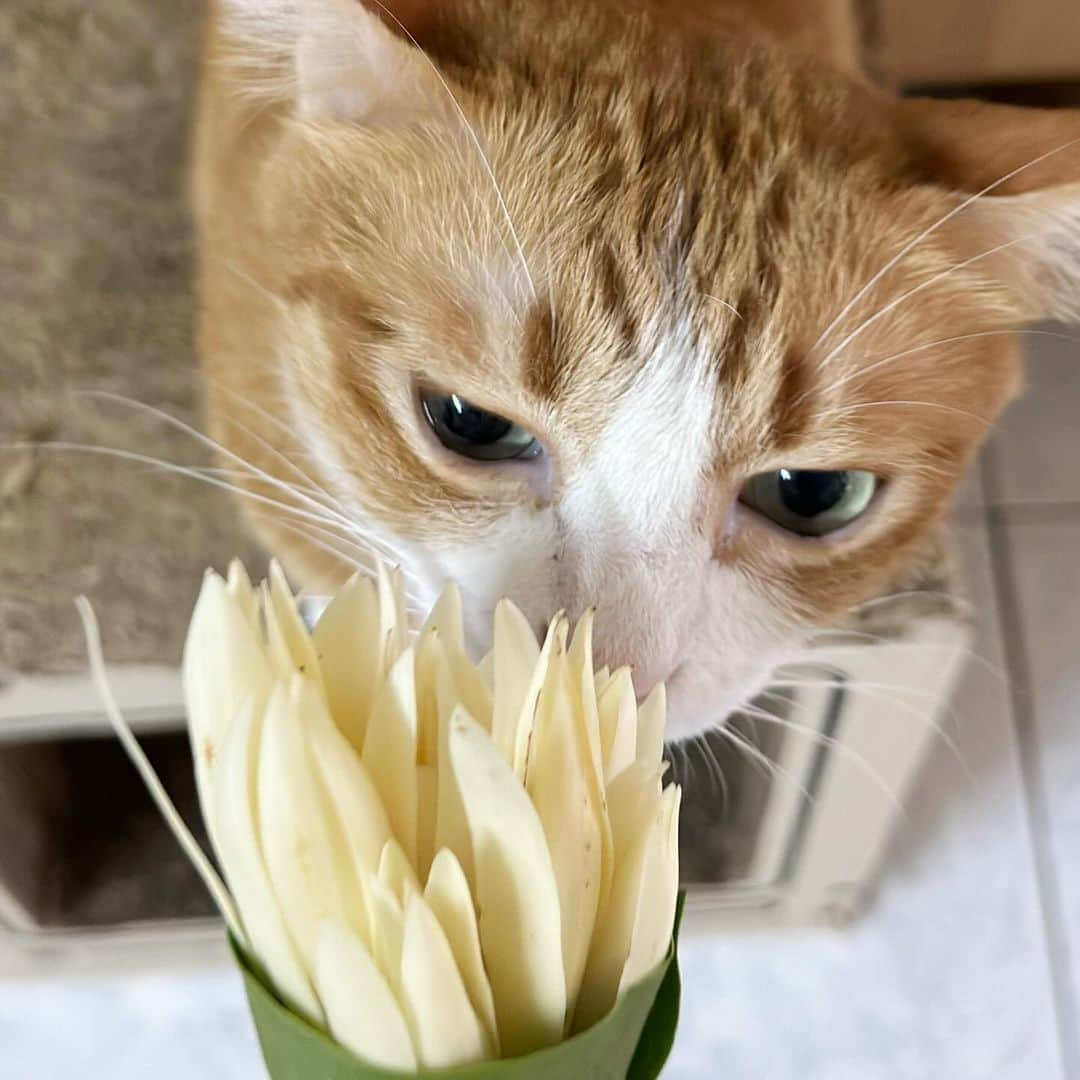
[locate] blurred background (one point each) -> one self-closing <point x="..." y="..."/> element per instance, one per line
<point x="831" y="933"/>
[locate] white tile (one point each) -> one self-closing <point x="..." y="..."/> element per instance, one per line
<point x="946" y="976"/>
<point x="1047" y="561"/>
<point x="1037" y="446"/>
<point x="168" y="1026"/>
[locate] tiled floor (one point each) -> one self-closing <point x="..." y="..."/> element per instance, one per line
<point x="968" y="967"/>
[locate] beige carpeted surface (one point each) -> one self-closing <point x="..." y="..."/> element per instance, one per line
<point x="95" y="293"/>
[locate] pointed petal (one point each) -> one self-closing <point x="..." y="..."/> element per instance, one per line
<point x="447" y="894"/>
<point x="393" y="620"/>
<point x="351" y="798"/>
<point x="224" y="665"/>
<point x="241" y="858"/>
<point x="294" y="632"/>
<point x="390" y="750"/>
<point x="239" y="587"/>
<point x="293" y="827"/>
<point x="633" y="805"/>
<point x="433" y="994"/>
<point x="652" y="719"/>
<point x="395" y="872"/>
<point x="658" y="892"/>
<point x="556" y="636"/>
<point x="618" y="724"/>
<point x="451" y="825"/>
<point x="560" y="788"/>
<point x="447" y="618"/>
<point x="513" y="660"/>
<point x="516" y="893"/>
<point x="362" y="1012"/>
<point x="347" y="641"/>
<point x="387" y="930"/>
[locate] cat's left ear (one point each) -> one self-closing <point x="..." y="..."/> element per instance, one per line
<point x="346" y="59"/>
<point x="1025" y="228"/>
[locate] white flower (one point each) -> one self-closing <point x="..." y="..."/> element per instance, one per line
<point x="439" y="861"/>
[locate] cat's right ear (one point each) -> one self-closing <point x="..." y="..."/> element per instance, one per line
<point x="1016" y="172"/>
<point x="337" y="59"/>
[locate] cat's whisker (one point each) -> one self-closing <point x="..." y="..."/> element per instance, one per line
<point x="894" y="693"/>
<point x="771" y="768"/>
<point x="471" y="131"/>
<point x="712" y="766"/>
<point x="322" y="512"/>
<point x="724" y="304"/>
<point x="916" y="289"/>
<point x="211" y="444"/>
<point x="257" y="285"/>
<point x="830" y="741"/>
<point x="907" y="594"/>
<point x="313" y="521"/>
<point x="892" y="643"/>
<point x="844" y="410"/>
<point x="930" y="230"/>
<point x="843" y="380"/>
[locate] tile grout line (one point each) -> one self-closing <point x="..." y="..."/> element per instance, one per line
<point x="1018" y="664"/>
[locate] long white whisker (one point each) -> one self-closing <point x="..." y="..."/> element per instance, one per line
<point x="844" y="410"/>
<point x="771" y="767"/>
<point x="324" y="513"/>
<point x="842" y="749"/>
<point x="476" y="143"/>
<point x="881" y="692"/>
<point x="318" y="524"/>
<point x="932" y="229"/>
<point x="851" y="376"/>
<point x="916" y="289"/>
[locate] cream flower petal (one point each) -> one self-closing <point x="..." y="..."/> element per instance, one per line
<point x="433" y="994"/>
<point x="447" y="894"/>
<point x="349" y="647"/>
<point x="652" y="718"/>
<point x="516" y="893"/>
<point x="560" y="789"/>
<point x="390" y="750"/>
<point x="513" y="662"/>
<point x="618" y="723"/>
<point x="362" y="1012"/>
<point x="633" y="806"/>
<point x="352" y="798"/>
<point x="298" y="848"/>
<point x="241" y="859"/>
<point x="387" y="932"/>
<point x="224" y="664"/>
<point x="282" y="613"/>
<point x="396" y="873"/>
<point x="446" y="617"/>
<point x="657" y="893"/>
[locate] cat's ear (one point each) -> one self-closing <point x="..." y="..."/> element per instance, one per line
<point x="342" y="59"/>
<point x="1024" y="167"/>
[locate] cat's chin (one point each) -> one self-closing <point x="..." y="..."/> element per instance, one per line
<point x="697" y="703"/>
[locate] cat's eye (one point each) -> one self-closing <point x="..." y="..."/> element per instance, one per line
<point x="476" y="433"/>
<point x="810" y="502"/>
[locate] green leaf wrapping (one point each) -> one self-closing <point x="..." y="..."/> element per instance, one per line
<point x="631" y="1043"/>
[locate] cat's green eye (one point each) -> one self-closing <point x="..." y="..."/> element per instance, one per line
<point x="810" y="502"/>
<point x="475" y="433"/>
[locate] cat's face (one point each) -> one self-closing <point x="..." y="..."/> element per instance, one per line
<point x="606" y="335"/>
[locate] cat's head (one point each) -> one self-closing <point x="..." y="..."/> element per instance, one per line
<point x="576" y="308"/>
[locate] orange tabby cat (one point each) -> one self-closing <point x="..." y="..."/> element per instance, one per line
<point x="655" y="304"/>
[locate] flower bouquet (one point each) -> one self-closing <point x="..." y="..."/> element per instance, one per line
<point x="428" y="865"/>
